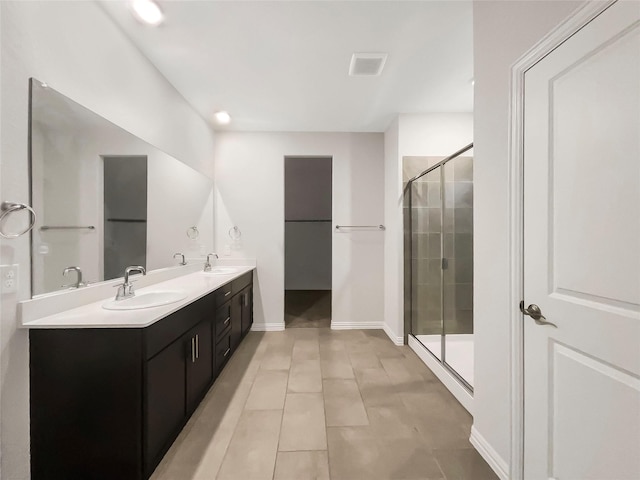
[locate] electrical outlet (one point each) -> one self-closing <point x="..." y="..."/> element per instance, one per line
<point x="9" y="278"/>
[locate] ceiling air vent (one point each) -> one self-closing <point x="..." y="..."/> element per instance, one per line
<point x="367" y="64"/>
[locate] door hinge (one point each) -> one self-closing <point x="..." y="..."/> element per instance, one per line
<point x="445" y="263"/>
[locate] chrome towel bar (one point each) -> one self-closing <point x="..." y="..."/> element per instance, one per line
<point x="67" y="227"/>
<point x="379" y="227"/>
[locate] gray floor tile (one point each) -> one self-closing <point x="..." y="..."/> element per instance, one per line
<point x="399" y="372"/>
<point x="393" y="421"/>
<point x="268" y="391"/>
<point x="353" y="453"/>
<point x="356" y="453"/>
<point x="343" y="403"/>
<point x="464" y="464"/>
<point x="365" y="359"/>
<point x="251" y="455"/>
<point x="276" y="358"/>
<point x="303" y="423"/>
<point x="305" y="376"/>
<point x="305" y="349"/>
<point x="312" y="465"/>
<point x="336" y="369"/>
<point x="375" y="387"/>
<point x="436" y="422"/>
<point x="348" y="402"/>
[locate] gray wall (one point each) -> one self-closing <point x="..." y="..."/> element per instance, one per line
<point x="308" y="224"/>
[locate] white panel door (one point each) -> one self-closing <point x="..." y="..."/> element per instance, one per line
<point x="582" y="253"/>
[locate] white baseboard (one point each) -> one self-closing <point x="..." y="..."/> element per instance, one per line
<point x="394" y="338"/>
<point x="356" y="326"/>
<point x="449" y="381"/>
<point x="495" y="461"/>
<point x="267" y="327"/>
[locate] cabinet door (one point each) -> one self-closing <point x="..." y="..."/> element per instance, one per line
<point x="199" y="362"/>
<point x="165" y="401"/>
<point x="246" y="299"/>
<point x="236" y="321"/>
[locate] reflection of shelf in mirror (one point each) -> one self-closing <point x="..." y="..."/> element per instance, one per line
<point x="128" y="220"/>
<point x="68" y="227"/>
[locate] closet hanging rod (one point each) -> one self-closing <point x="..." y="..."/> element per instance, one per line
<point x="67" y="227"/>
<point x="379" y="227"/>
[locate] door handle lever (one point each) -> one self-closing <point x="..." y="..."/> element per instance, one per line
<point x="534" y="312"/>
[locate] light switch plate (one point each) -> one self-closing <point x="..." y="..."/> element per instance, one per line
<point x="9" y="278"/>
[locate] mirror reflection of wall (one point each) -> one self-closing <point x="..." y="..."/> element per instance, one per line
<point x="125" y="214"/>
<point x="100" y="183"/>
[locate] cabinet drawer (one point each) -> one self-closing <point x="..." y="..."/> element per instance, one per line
<point x="167" y="330"/>
<point x="223" y="351"/>
<point x="223" y="294"/>
<point x="223" y="320"/>
<point x="241" y="282"/>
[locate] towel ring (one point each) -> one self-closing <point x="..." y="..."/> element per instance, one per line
<point x="9" y="207"/>
<point x="235" y="233"/>
<point x="193" y="233"/>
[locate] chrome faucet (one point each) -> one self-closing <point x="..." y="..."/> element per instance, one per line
<point x="79" y="283"/>
<point x="126" y="289"/>
<point x="183" y="262"/>
<point x="207" y="265"/>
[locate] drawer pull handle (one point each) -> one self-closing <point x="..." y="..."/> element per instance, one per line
<point x="193" y="350"/>
<point x="227" y="352"/>
<point x="228" y="293"/>
<point x="226" y="322"/>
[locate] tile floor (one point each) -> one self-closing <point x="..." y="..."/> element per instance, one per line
<point x="307" y="308"/>
<point x="315" y="403"/>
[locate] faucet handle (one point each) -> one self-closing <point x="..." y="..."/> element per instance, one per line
<point x="207" y="264"/>
<point x="79" y="283"/>
<point x="184" y="261"/>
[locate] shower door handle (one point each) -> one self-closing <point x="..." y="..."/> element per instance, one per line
<point x="534" y="312"/>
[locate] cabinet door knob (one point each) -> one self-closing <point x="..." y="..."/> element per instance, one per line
<point x="193" y="350"/>
<point x="197" y="346"/>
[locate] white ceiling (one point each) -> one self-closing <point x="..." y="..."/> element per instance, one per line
<point x="283" y="65"/>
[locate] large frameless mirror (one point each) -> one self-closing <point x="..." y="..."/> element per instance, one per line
<point x="106" y="199"/>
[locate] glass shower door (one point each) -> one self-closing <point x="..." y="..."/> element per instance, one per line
<point x="438" y="245"/>
<point x="426" y="258"/>
<point x="458" y="267"/>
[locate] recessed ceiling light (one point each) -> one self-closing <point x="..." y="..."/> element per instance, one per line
<point x="472" y="81"/>
<point x="222" y="117"/>
<point x="147" y="11"/>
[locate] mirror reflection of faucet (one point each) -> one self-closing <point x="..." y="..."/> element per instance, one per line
<point x="126" y="289"/>
<point x="207" y="264"/>
<point x="184" y="261"/>
<point x="79" y="283"/>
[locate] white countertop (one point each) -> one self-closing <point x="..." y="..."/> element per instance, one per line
<point x="92" y="315"/>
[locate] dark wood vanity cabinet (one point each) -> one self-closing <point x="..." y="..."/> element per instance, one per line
<point x="108" y="403"/>
<point x="199" y="363"/>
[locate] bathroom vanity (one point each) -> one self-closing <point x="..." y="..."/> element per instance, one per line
<point x="110" y="391"/>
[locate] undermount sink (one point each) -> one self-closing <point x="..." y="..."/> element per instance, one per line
<point x="145" y="300"/>
<point x="222" y="270"/>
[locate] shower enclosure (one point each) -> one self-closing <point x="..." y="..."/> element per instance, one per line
<point x="438" y="256"/>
